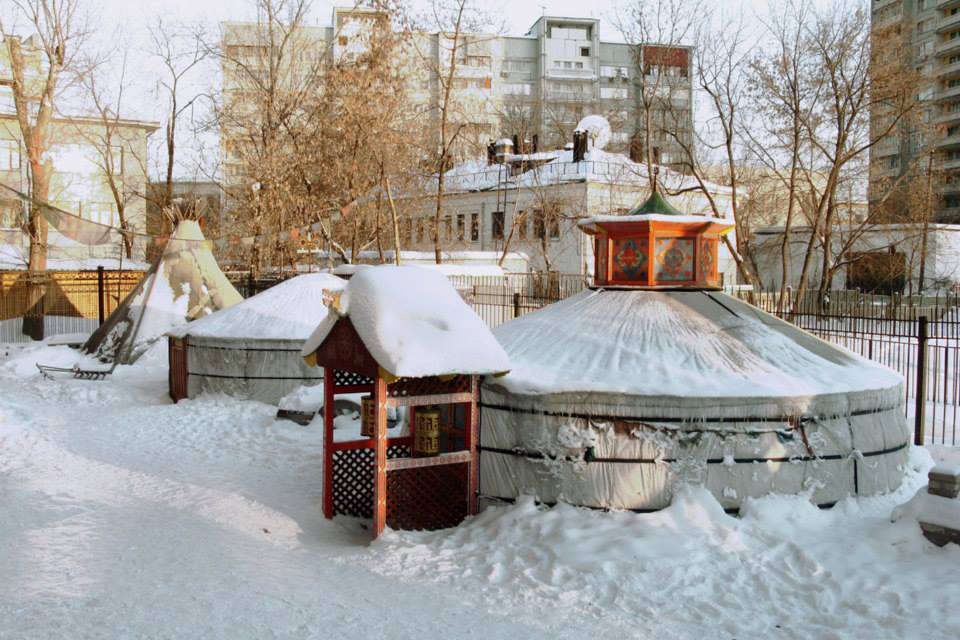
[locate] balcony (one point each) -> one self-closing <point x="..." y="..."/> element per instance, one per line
<point x="889" y="146"/>
<point x="948" y="93"/>
<point x="948" y="4"/>
<point x="948" y="70"/>
<point x="949" y="142"/>
<point x="579" y="74"/>
<point x="947" y="165"/>
<point x="948" y="47"/>
<point x="948" y="117"/>
<point x="948" y="23"/>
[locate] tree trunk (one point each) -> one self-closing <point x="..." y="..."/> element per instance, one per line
<point x="37" y="261"/>
<point x="394" y="223"/>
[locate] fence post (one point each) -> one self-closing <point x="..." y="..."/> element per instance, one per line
<point x="920" y="412"/>
<point x="516" y="305"/>
<point x="100" y="293"/>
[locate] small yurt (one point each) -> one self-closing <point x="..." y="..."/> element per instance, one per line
<point x="653" y="376"/>
<point x="252" y="349"/>
<point x="184" y="284"/>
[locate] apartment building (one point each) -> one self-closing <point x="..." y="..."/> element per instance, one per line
<point x="536" y="87"/>
<point x="79" y="181"/>
<point x="930" y="29"/>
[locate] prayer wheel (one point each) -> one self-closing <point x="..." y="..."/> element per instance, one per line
<point x="426" y="432"/>
<point x="368" y="417"/>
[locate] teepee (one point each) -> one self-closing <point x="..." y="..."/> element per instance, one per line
<point x="184" y="284"/>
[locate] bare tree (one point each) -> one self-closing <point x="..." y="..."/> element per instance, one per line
<point x="456" y="23"/>
<point x="784" y="86"/>
<point x="180" y="50"/>
<point x="58" y="33"/>
<point x="660" y="31"/>
<point x="114" y="156"/>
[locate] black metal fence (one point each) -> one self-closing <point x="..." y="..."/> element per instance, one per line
<point x="498" y="299"/>
<point x="917" y="336"/>
<point x="71" y="301"/>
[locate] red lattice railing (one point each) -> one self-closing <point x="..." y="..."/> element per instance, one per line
<point x="353" y="479"/>
<point x="427" y="497"/>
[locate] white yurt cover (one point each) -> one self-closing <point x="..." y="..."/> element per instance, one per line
<point x="184" y="284"/>
<point x="252" y="349"/>
<point x="616" y="394"/>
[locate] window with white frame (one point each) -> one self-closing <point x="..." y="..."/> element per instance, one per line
<point x="517" y="88"/>
<point x="101" y="212"/>
<point x="613" y="93"/>
<point x="116" y="159"/>
<point x="9" y="155"/>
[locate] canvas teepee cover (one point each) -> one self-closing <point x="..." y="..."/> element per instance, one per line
<point x="184" y="284"/>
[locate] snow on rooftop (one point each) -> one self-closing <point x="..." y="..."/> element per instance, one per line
<point x="286" y="311"/>
<point x="414" y="324"/>
<point x="679" y="344"/>
<point x="558" y="167"/>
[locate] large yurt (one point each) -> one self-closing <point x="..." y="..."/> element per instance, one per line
<point x="184" y="284"/>
<point x="653" y="377"/>
<point x="252" y="349"/>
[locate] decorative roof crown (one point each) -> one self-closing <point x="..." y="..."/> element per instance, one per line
<point x="656" y="246"/>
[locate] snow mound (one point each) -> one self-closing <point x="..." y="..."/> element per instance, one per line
<point x="414" y="324"/>
<point x="286" y="311"/>
<point x="929" y="508"/>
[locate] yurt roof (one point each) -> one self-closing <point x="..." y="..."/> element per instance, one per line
<point x="287" y="311"/>
<point x="684" y="343"/>
<point x="414" y="324"/>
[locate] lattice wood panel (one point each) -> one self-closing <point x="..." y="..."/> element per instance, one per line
<point x="349" y="378"/>
<point x="428" y="386"/>
<point x="427" y="497"/>
<point x="353" y="479"/>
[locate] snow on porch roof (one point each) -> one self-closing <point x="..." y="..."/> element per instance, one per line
<point x="414" y="324"/>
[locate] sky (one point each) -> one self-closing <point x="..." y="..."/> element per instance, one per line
<point x="119" y="24"/>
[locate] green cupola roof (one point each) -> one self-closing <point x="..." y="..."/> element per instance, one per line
<point x="655" y="204"/>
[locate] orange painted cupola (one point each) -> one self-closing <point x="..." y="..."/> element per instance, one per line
<point x="656" y="247"/>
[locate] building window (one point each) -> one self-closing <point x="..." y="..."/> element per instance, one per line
<point x="517" y="88"/>
<point x="474" y="227"/>
<point x="115" y="156"/>
<point x="460" y="227"/>
<point x="497" y="225"/>
<point x="100" y="212"/>
<point x="584" y="52"/>
<point x="10" y="217"/>
<point x="539" y="225"/>
<point x="9" y="155"/>
<point x="521" y="225"/>
<point x="554" y="226"/>
<point x="447" y="228"/>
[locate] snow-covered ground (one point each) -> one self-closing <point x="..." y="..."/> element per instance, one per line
<point x="125" y="516"/>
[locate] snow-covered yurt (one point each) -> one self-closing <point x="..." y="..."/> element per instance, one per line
<point x="653" y="376"/>
<point x="186" y="283"/>
<point x="252" y="349"/>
